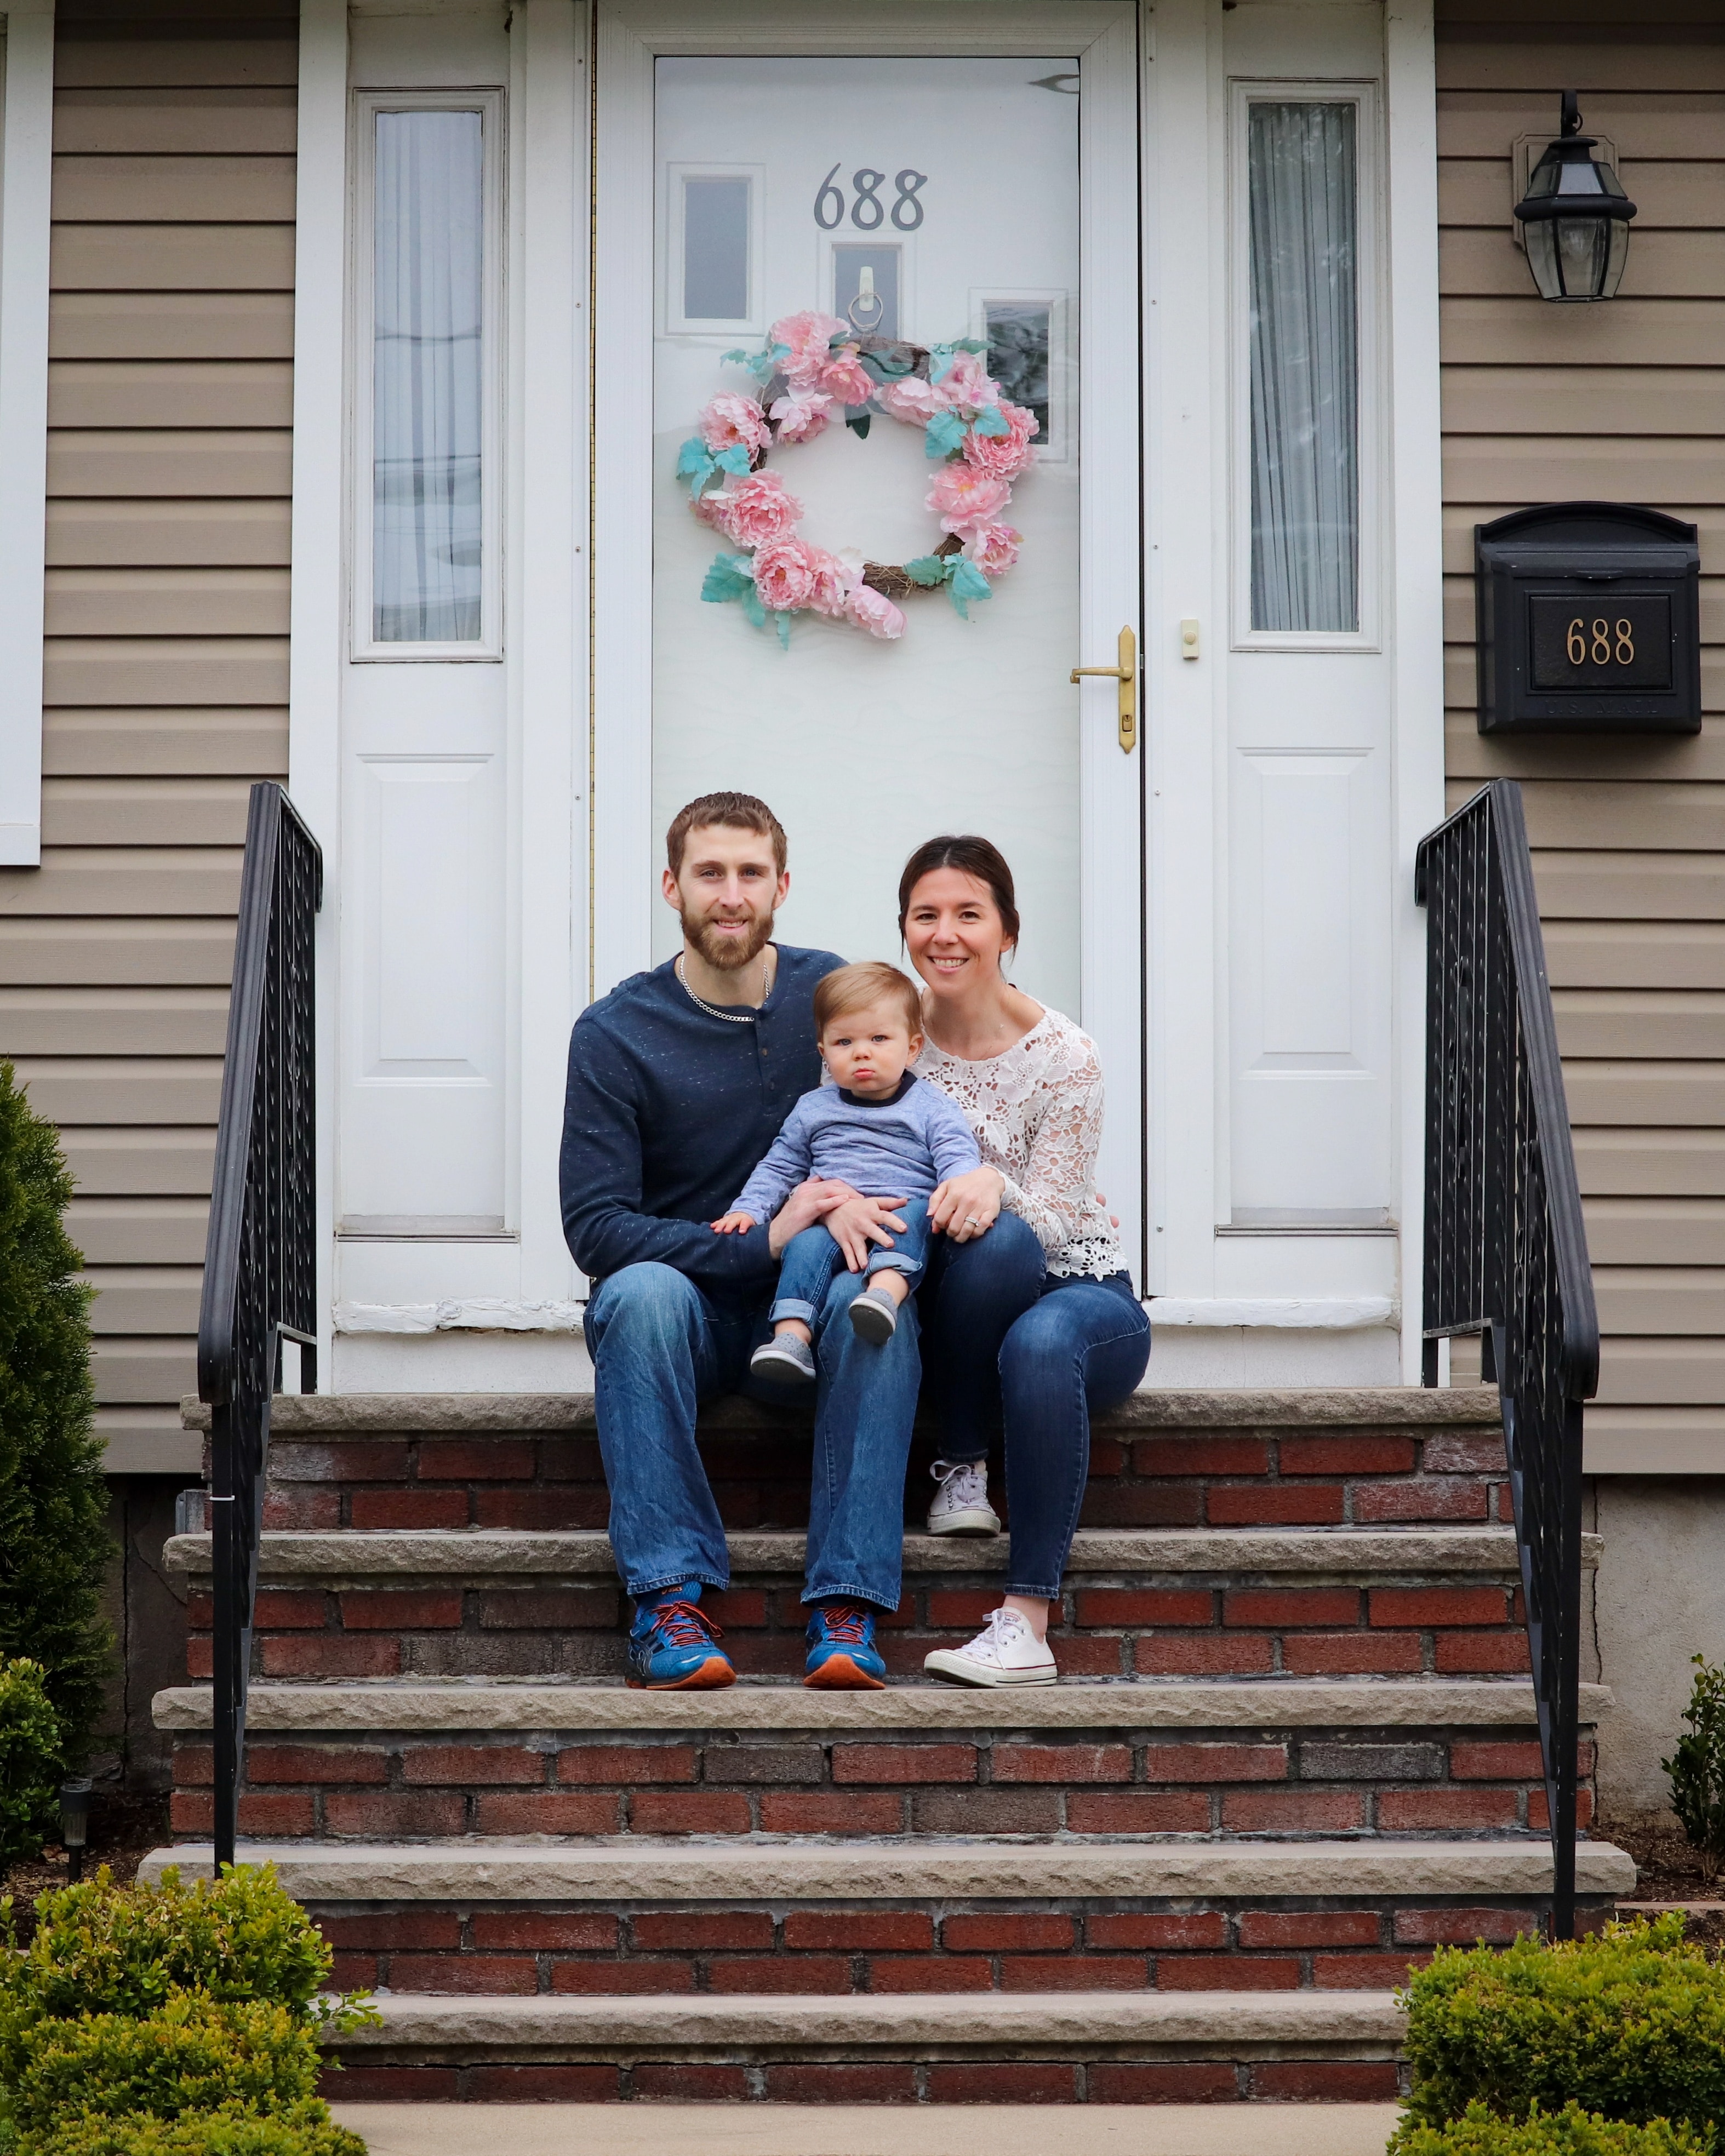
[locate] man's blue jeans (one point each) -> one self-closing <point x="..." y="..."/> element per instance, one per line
<point x="659" y="1346"/>
<point x="813" y="1261"/>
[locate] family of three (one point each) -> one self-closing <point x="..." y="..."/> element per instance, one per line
<point x="780" y="1170"/>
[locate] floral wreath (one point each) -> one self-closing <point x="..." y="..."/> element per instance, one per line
<point x="810" y="362"/>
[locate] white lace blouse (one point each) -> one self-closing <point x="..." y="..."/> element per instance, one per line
<point x="1037" y="1112"/>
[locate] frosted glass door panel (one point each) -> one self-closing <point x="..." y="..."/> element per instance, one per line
<point x="967" y="227"/>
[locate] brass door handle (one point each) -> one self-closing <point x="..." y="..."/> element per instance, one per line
<point x="1126" y="673"/>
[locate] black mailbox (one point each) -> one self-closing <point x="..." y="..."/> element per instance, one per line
<point x="1589" y="621"/>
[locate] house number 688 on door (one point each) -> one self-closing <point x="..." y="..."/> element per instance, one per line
<point x="868" y="211"/>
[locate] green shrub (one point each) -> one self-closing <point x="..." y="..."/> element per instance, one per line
<point x="1630" y="2023"/>
<point x="29" y="1762"/>
<point x="1697" y="1768"/>
<point x="194" y="2053"/>
<point x="306" y="2131"/>
<point x="54" y="1548"/>
<point x="100" y="1948"/>
<point x="1571" y="2131"/>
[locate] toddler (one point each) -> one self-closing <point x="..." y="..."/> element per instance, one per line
<point x="878" y="1127"/>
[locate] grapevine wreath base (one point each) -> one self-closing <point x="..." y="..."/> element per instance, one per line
<point x="812" y="366"/>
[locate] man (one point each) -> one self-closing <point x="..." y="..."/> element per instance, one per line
<point x="679" y="1081"/>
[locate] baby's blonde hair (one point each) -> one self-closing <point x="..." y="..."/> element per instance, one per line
<point x="855" y="987"/>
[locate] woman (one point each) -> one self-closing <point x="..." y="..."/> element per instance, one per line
<point x="1032" y="1348"/>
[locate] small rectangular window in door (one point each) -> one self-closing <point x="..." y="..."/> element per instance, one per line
<point x="1304" y="273"/>
<point x="712" y="249"/>
<point x="426" y="270"/>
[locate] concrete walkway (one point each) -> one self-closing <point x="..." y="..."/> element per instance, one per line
<point x="648" y="2129"/>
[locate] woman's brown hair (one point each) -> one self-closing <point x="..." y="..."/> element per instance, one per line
<point x="971" y="857"/>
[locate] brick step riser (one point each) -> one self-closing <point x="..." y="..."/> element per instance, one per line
<point x="1315" y="1782"/>
<point x="1181" y="1626"/>
<point x="1221" y="1478"/>
<point x="733" y="2079"/>
<point x="879" y="1950"/>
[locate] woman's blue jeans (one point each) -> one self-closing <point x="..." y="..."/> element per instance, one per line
<point x="1007" y="1349"/>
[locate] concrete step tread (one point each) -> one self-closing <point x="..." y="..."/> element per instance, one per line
<point x="643" y="1868"/>
<point x="1396" y="1407"/>
<point x="470" y="1704"/>
<point x="920" y="2021"/>
<point x="475" y="1553"/>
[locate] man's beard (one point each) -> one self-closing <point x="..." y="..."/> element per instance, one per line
<point x="726" y="954"/>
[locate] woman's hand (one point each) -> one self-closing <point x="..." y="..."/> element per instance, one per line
<point x="808" y="1203"/>
<point x="966" y="1206"/>
<point x="858" y="1223"/>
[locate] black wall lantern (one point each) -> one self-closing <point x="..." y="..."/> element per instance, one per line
<point x="1575" y="218"/>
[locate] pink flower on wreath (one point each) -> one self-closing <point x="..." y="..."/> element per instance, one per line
<point x="874" y="611"/>
<point x="801" y="416"/>
<point x="785" y="574"/>
<point x="731" y="422"/>
<point x="833" y="584"/>
<point x="845" y="378"/>
<point x="965" y="498"/>
<point x="994" y="548"/>
<point x="756" y="510"/>
<point x="915" y="401"/>
<point x="1004" y="456"/>
<point x="809" y="335"/>
<point x="966" y="382"/>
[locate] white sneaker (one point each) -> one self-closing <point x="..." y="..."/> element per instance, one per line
<point x="960" y="1503"/>
<point x="1006" y="1652"/>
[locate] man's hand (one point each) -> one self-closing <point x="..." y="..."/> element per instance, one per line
<point x="734" y="1224"/>
<point x="860" y="1222"/>
<point x="966" y="1206"/>
<point x="808" y="1203"/>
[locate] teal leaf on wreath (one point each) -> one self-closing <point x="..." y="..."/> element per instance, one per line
<point x="991" y="420"/>
<point x="940" y="362"/>
<point x="970" y="344"/>
<point x="782" y="623"/>
<point x="728" y="578"/>
<point x="967" y="583"/>
<point x="694" y="463"/>
<point x="943" y="434"/>
<point x="858" y="422"/>
<point x="928" y="570"/>
<point x="735" y="459"/>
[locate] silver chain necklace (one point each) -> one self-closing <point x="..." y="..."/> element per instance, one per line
<point x="731" y="1017"/>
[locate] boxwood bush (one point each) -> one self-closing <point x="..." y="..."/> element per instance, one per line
<point x="169" y="2020"/>
<point x="1571" y="2131"/>
<point x="1629" y="2025"/>
<point x="30" y="1759"/>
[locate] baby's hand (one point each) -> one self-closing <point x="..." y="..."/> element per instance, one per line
<point x="734" y="1224"/>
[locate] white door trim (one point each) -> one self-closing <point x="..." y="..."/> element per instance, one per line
<point x="1103" y="35"/>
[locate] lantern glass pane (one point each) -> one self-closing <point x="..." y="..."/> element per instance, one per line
<point x="1302" y="183"/>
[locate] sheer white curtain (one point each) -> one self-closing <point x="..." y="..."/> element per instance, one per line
<point x="1302" y="180"/>
<point x="428" y="377"/>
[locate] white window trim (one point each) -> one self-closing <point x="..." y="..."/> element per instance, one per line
<point x="1364" y="95"/>
<point x="363" y="646"/>
<point x="26" y="175"/>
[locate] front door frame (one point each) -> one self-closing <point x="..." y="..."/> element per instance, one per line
<point x="1103" y="35"/>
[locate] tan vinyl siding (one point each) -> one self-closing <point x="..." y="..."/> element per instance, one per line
<point x="169" y="458"/>
<point x="1626" y="402"/>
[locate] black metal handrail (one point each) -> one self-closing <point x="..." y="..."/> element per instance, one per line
<point x="1506" y="1250"/>
<point x="259" y="1262"/>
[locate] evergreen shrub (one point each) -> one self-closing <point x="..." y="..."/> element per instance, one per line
<point x="54" y="1548"/>
<point x="1630" y="2023"/>
<point x="306" y="2131"/>
<point x="1571" y="2131"/>
<point x="30" y="1759"/>
<point x="1697" y="1768"/>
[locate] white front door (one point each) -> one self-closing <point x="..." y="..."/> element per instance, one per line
<point x="933" y="178"/>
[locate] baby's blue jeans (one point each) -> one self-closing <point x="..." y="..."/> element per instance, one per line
<point x="813" y="1260"/>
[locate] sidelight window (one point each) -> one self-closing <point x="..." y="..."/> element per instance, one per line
<point x="426" y="475"/>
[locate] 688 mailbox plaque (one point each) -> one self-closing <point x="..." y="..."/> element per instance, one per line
<point x="1589" y="621"/>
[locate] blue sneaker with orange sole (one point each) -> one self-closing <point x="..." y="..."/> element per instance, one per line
<point x="842" y="1655"/>
<point x="672" y="1646"/>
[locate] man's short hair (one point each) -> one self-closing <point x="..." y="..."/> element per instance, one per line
<point x="857" y="988"/>
<point x="734" y="812"/>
